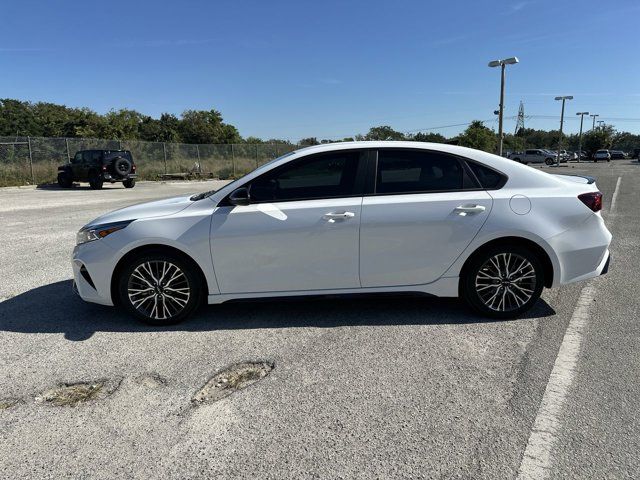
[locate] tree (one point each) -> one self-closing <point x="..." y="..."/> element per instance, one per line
<point x="123" y="124"/>
<point x="384" y="132"/>
<point x="309" y="141"/>
<point x="200" y="126"/>
<point x="16" y="118"/>
<point x="598" y="139"/>
<point x="479" y="137"/>
<point x="428" y="137"/>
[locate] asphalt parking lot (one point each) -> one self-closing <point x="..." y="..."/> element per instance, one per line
<point x="387" y="388"/>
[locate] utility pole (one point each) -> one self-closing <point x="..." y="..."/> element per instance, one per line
<point x="520" y="123"/>
<point x="600" y="124"/>
<point x="563" y="98"/>
<point x="582" y="114"/>
<point x="502" y="63"/>
<point x="593" y="127"/>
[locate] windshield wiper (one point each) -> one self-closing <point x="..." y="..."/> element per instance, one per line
<point x="200" y="196"/>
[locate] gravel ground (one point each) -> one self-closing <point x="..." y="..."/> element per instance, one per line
<point x="387" y="387"/>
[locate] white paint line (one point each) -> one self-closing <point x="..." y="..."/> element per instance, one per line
<point x="615" y="195"/>
<point x="537" y="455"/>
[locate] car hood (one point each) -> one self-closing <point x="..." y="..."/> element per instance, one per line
<point x="158" y="208"/>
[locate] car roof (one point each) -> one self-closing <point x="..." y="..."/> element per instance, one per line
<point x="519" y="175"/>
<point x="102" y="150"/>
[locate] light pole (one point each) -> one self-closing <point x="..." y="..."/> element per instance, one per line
<point x="593" y="127"/>
<point x="582" y="114"/>
<point x="502" y="63"/>
<point x="563" y="98"/>
<point x="600" y="124"/>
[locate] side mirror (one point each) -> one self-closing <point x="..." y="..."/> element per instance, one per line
<point x="240" y="196"/>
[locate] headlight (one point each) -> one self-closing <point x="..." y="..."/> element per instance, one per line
<point x="96" y="232"/>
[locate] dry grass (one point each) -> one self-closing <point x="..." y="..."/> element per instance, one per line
<point x="72" y="394"/>
<point x="7" y="403"/>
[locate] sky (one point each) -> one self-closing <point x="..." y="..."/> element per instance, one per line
<point x="329" y="69"/>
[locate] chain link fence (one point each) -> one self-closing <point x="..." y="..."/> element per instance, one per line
<point x="35" y="160"/>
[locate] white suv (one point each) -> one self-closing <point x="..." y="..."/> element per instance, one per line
<point x="602" y="155"/>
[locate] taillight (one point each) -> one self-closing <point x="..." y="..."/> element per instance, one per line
<point x="133" y="167"/>
<point x="104" y="168"/>
<point x="593" y="200"/>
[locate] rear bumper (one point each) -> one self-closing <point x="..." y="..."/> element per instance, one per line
<point x="583" y="251"/>
<point x="605" y="268"/>
<point x="108" y="176"/>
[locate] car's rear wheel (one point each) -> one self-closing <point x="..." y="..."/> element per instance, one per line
<point x="65" y="180"/>
<point x="95" y="181"/>
<point x="160" y="289"/>
<point x="503" y="281"/>
<point x="129" y="183"/>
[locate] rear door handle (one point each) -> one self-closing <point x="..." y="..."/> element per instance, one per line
<point x="464" y="210"/>
<point x="333" y="216"/>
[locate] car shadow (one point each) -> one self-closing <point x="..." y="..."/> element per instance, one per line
<point x="55" y="308"/>
<point x="78" y="187"/>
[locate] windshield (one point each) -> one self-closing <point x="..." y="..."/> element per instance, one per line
<point x="200" y="196"/>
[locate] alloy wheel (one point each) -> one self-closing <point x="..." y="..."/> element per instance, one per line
<point x="505" y="282"/>
<point x="158" y="289"/>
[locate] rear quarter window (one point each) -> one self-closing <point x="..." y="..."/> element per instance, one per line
<point x="488" y="178"/>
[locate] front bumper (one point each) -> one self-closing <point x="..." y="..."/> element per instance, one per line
<point x="93" y="264"/>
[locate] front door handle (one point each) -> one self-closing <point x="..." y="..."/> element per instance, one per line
<point x="333" y="216"/>
<point x="464" y="210"/>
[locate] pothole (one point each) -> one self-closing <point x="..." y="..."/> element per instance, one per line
<point x="72" y="394"/>
<point x="151" y="380"/>
<point x="7" y="403"/>
<point x="231" y="379"/>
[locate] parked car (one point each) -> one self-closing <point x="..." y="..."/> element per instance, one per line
<point x="97" y="167"/>
<point x="636" y="153"/>
<point x="352" y="218"/>
<point x="566" y="155"/>
<point x="537" y="155"/>
<point x="617" y="154"/>
<point x="584" y="155"/>
<point x="602" y="155"/>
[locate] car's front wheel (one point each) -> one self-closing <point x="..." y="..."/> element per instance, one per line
<point x="160" y="288"/>
<point x="65" y="179"/>
<point x="503" y="282"/>
<point x="95" y="181"/>
<point x="549" y="161"/>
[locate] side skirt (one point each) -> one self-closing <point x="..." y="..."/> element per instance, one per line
<point x="444" y="287"/>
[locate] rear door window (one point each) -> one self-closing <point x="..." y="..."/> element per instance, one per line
<point x="415" y="171"/>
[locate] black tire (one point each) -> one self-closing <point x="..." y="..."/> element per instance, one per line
<point x="518" y="160"/>
<point x="121" y="167"/>
<point x="129" y="183"/>
<point x="548" y="161"/>
<point x="176" y="304"/>
<point x="518" y="294"/>
<point x="65" y="180"/>
<point x="95" y="181"/>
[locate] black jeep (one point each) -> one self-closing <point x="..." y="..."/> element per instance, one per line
<point x="97" y="167"/>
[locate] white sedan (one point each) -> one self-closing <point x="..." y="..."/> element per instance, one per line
<point x="348" y="218"/>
